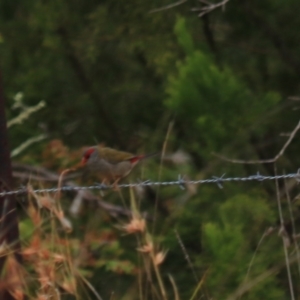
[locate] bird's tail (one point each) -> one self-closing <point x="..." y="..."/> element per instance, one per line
<point x="138" y="158"/>
<point x="150" y="155"/>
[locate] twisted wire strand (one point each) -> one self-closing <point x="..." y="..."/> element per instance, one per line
<point x="181" y="182"/>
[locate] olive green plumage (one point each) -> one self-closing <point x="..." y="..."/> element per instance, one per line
<point x="109" y="164"/>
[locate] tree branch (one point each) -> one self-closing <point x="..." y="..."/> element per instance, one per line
<point x="209" y="7"/>
<point x="263" y="161"/>
<point x="167" y="6"/>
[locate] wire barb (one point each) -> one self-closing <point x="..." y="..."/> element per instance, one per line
<point x="102" y="186"/>
<point x="219" y="180"/>
<point x="181" y="182"/>
<point x="258" y="177"/>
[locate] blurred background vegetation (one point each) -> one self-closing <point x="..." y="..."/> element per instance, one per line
<point x="120" y="74"/>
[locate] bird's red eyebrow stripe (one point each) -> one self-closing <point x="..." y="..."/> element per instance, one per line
<point x="86" y="155"/>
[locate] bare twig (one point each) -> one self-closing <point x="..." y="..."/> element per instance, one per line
<point x="28" y="172"/>
<point x="25" y="114"/>
<point x="27" y="176"/>
<point x="167" y="6"/>
<point x="112" y="209"/>
<point x="263" y="161"/>
<point x="294" y="98"/>
<point x="209" y="7"/>
<point x="27" y="143"/>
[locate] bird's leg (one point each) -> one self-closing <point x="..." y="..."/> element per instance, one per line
<point x="115" y="184"/>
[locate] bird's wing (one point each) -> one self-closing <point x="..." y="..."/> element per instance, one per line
<point x="114" y="156"/>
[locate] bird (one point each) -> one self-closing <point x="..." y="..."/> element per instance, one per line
<point x="109" y="164"/>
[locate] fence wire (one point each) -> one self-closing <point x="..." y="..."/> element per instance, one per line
<point x="181" y="182"/>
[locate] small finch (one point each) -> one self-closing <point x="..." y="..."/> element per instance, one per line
<point x="109" y="164"/>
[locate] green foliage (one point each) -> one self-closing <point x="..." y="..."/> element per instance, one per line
<point x="211" y="102"/>
<point x="183" y="36"/>
<point x="229" y="245"/>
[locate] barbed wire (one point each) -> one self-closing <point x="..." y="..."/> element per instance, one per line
<point x="181" y="182"/>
